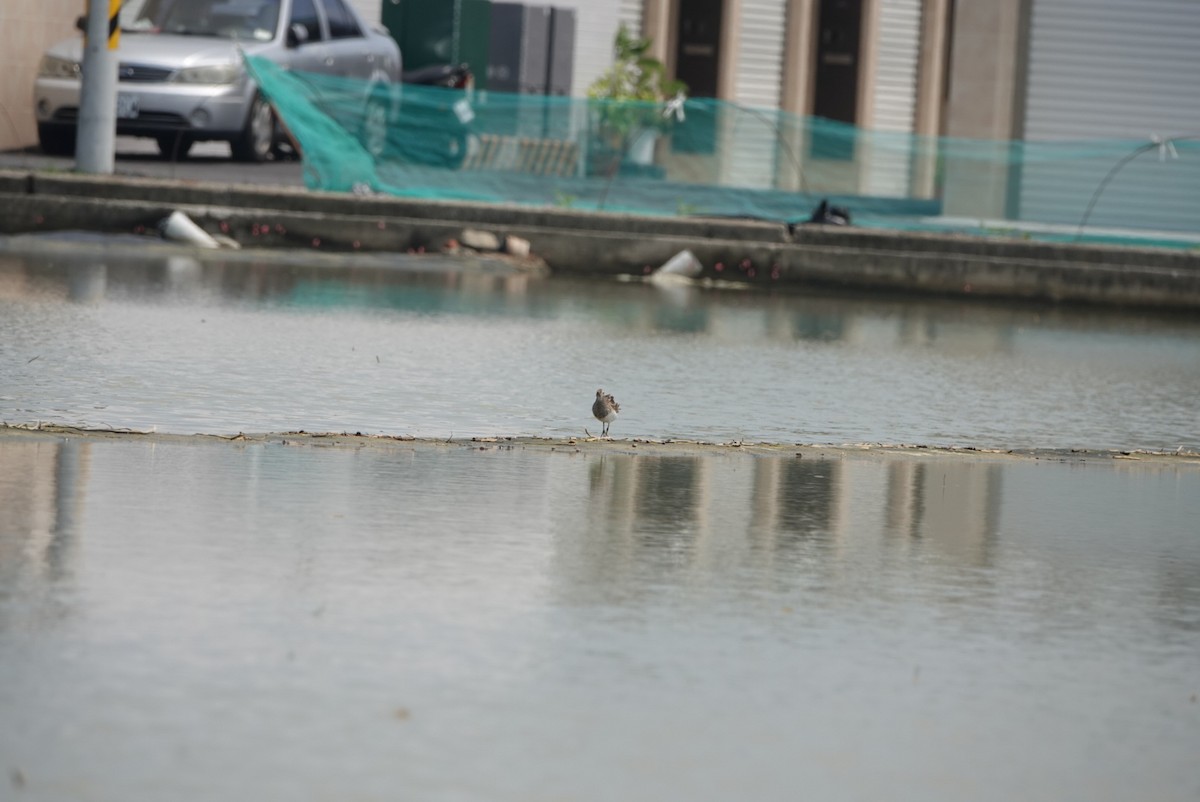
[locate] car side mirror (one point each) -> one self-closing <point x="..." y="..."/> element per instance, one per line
<point x="297" y="35"/>
<point x="81" y="24"/>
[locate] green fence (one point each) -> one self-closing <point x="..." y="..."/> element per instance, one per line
<point x="707" y="157"/>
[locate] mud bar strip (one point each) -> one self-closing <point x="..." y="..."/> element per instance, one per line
<point x="1179" y="458"/>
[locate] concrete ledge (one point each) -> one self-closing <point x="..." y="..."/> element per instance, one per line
<point x="764" y="254"/>
<point x="300" y="200"/>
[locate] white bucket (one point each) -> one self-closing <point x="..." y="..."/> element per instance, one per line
<point x="683" y="263"/>
<point x="179" y="227"/>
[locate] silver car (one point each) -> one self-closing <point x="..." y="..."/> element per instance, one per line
<point x="181" y="78"/>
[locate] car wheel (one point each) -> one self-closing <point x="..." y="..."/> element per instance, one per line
<point x="56" y="140"/>
<point x="173" y="147"/>
<point x="254" y="143"/>
<point x="374" y="133"/>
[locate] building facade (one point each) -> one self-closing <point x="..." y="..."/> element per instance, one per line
<point x="991" y="70"/>
<point x="27" y="28"/>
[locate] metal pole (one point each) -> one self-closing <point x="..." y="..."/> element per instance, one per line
<point x="97" y="132"/>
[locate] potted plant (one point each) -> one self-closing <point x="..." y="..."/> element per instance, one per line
<point x="629" y="103"/>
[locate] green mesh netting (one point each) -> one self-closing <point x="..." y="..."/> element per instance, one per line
<point x="715" y="158"/>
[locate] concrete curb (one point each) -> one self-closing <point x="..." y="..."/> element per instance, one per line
<point x="571" y="241"/>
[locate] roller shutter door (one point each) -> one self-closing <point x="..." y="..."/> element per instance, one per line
<point x="1120" y="69"/>
<point x="758" y="76"/>
<point x="630" y="13"/>
<point x="894" y="99"/>
<point x="759" y="71"/>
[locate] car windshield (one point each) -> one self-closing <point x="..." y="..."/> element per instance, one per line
<point x="256" y="20"/>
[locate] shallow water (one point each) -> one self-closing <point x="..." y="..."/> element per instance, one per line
<point x="185" y="347"/>
<point x="221" y="621"/>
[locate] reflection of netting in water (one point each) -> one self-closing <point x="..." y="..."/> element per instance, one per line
<point x="721" y="159"/>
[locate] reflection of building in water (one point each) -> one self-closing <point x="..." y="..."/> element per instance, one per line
<point x="83" y="280"/>
<point x="87" y="283"/>
<point x="76" y="279"/>
<point x="700" y="513"/>
<point x="921" y="326"/>
<point x="778" y="320"/>
<point x="670" y="504"/>
<point x="680" y="316"/>
<point x="819" y="326"/>
<point x="779" y="518"/>
<point x="41" y="495"/>
<point x="1178" y="592"/>
<point x="792" y="501"/>
<point x="955" y="507"/>
<point x="15" y="281"/>
<point x="647" y="508"/>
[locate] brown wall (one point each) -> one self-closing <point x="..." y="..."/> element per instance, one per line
<point x="27" y="28"/>
<point x="986" y="81"/>
<point x="985" y="68"/>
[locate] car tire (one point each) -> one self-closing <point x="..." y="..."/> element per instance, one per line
<point x="258" y="137"/>
<point x="173" y="147"/>
<point x="56" y="140"/>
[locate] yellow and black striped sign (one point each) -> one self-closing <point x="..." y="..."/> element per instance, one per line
<point x="114" y="23"/>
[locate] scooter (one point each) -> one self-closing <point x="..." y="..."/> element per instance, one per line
<point x="438" y="123"/>
<point x="450" y="76"/>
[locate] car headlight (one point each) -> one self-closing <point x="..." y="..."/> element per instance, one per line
<point x="212" y="74"/>
<point x="55" y="67"/>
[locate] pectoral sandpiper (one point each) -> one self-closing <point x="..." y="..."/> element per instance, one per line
<point x="605" y="408"/>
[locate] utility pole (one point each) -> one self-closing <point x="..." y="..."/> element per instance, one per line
<point x="95" y="140"/>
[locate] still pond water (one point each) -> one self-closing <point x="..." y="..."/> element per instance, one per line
<point x="201" y="619"/>
<point x="184" y="347"/>
<point x="197" y="621"/>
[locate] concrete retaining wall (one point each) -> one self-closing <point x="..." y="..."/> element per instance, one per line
<point x="598" y="243"/>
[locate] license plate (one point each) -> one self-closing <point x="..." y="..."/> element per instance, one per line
<point x="464" y="111"/>
<point x="127" y="106"/>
